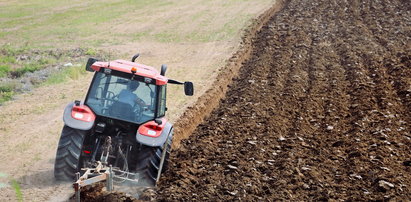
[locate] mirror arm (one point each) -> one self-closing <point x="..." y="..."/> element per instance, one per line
<point x="175" y="82"/>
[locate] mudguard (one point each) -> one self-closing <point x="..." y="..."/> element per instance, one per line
<point x="75" y="123"/>
<point x="156" y="141"/>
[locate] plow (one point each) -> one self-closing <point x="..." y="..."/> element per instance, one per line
<point x="119" y="134"/>
<point x="91" y="176"/>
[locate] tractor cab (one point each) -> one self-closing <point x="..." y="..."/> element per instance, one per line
<point x="120" y="96"/>
<point x="128" y="91"/>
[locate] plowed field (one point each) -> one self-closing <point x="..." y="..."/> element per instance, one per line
<point x="321" y="110"/>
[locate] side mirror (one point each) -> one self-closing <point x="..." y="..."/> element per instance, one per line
<point x="90" y="62"/>
<point x="188" y="88"/>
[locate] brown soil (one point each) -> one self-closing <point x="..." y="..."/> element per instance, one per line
<point x="97" y="193"/>
<point x="319" y="112"/>
<point x="30" y="125"/>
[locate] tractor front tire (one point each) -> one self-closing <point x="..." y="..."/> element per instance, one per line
<point x="68" y="154"/>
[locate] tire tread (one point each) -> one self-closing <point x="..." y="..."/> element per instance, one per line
<point x="68" y="154"/>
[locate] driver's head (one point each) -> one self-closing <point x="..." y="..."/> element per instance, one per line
<point x="133" y="85"/>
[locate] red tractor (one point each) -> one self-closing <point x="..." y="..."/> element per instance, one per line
<point x="121" y="123"/>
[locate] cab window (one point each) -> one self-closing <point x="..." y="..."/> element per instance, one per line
<point x="162" y="101"/>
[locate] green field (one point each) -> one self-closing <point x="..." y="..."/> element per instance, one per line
<point x="61" y="24"/>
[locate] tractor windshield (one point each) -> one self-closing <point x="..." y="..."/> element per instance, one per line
<point x="122" y="98"/>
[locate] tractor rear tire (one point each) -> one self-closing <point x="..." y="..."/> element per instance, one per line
<point x="68" y="154"/>
<point x="148" y="163"/>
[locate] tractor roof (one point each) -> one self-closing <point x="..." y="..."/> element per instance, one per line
<point x="126" y="66"/>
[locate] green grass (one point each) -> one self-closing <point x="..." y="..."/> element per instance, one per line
<point x="73" y="72"/>
<point x="7" y="59"/>
<point x="7" y="87"/>
<point x="10" y="66"/>
<point x="34" y="20"/>
<point x="91" y="51"/>
<point x="7" y="91"/>
<point x="37" y="60"/>
<point x="26" y="68"/>
<point x="5" y="96"/>
<point x="17" y="189"/>
<point x="8" y="50"/>
<point x="4" y="70"/>
<point x="61" y="23"/>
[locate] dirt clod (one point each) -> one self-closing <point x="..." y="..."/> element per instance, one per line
<point x="384" y="185"/>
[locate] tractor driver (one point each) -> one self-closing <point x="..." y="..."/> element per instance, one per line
<point x="128" y="96"/>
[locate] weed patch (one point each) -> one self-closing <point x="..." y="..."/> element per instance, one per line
<point x="4" y="59"/>
<point x="26" y="68"/>
<point x="17" y="189"/>
<point x="7" y="87"/>
<point x="46" y="67"/>
<point x="5" y="96"/>
<point x="73" y="72"/>
<point x="7" y="91"/>
<point x="91" y="51"/>
<point x="4" y="70"/>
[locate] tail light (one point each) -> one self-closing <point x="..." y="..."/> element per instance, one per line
<point x="83" y="113"/>
<point x="152" y="129"/>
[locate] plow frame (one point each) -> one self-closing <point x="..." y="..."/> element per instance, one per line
<point x="99" y="173"/>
